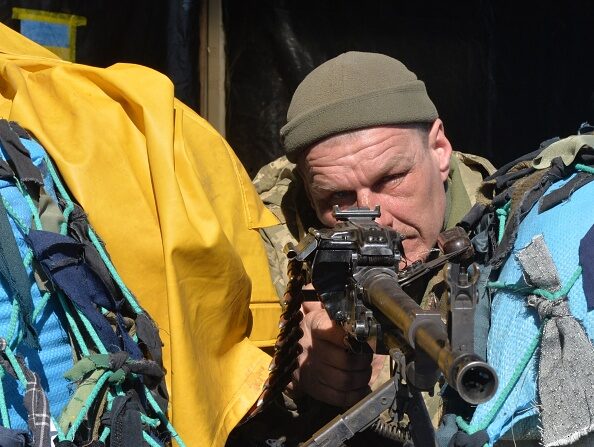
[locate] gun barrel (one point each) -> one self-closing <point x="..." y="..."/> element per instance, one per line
<point x="467" y="373"/>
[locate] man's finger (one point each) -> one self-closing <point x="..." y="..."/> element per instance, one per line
<point x="339" y="357"/>
<point x="310" y="306"/>
<point x="338" y="398"/>
<point x="344" y="381"/>
<point x="323" y="328"/>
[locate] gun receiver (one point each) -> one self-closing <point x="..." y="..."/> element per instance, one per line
<point x="355" y="271"/>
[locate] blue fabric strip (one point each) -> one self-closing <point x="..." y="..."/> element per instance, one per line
<point x="61" y="258"/>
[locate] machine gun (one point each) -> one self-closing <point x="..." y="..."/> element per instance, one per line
<point x="355" y="271"/>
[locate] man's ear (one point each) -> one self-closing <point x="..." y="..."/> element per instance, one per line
<point x="440" y="147"/>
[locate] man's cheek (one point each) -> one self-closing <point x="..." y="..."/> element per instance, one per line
<point x="326" y="218"/>
<point x="329" y="221"/>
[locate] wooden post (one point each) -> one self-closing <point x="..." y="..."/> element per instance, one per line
<point x="212" y="64"/>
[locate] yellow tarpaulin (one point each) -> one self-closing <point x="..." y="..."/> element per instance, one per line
<point x="177" y="212"/>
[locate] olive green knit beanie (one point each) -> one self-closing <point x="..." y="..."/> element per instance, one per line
<point x="353" y="91"/>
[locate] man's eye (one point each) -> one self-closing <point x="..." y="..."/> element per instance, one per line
<point x="341" y="195"/>
<point x="342" y="198"/>
<point x="391" y="179"/>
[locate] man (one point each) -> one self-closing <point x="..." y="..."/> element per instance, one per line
<point x="363" y="132"/>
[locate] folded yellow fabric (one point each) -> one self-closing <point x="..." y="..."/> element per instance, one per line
<point x="177" y="212"/>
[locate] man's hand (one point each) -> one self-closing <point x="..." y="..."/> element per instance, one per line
<point x="328" y="370"/>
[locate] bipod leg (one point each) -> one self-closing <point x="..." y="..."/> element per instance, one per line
<point x="357" y="418"/>
<point x="421" y="428"/>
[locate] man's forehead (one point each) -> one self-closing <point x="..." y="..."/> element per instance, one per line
<point x="404" y="131"/>
<point x="346" y="173"/>
<point x="389" y="147"/>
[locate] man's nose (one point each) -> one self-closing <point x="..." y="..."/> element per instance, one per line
<point x="385" y="218"/>
<point x="365" y="199"/>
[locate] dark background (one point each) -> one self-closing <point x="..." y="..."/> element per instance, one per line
<point x="161" y="34"/>
<point x="503" y="77"/>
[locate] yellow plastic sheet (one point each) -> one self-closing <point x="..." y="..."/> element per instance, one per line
<point x="177" y="212"/>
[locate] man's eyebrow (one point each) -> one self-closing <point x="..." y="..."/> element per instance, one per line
<point x="398" y="164"/>
<point x="398" y="161"/>
<point x="324" y="188"/>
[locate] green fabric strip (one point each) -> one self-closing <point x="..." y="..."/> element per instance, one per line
<point x="567" y="149"/>
<point x="49" y="213"/>
<point x="76" y="404"/>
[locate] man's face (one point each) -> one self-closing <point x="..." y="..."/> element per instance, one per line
<point x="400" y="168"/>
